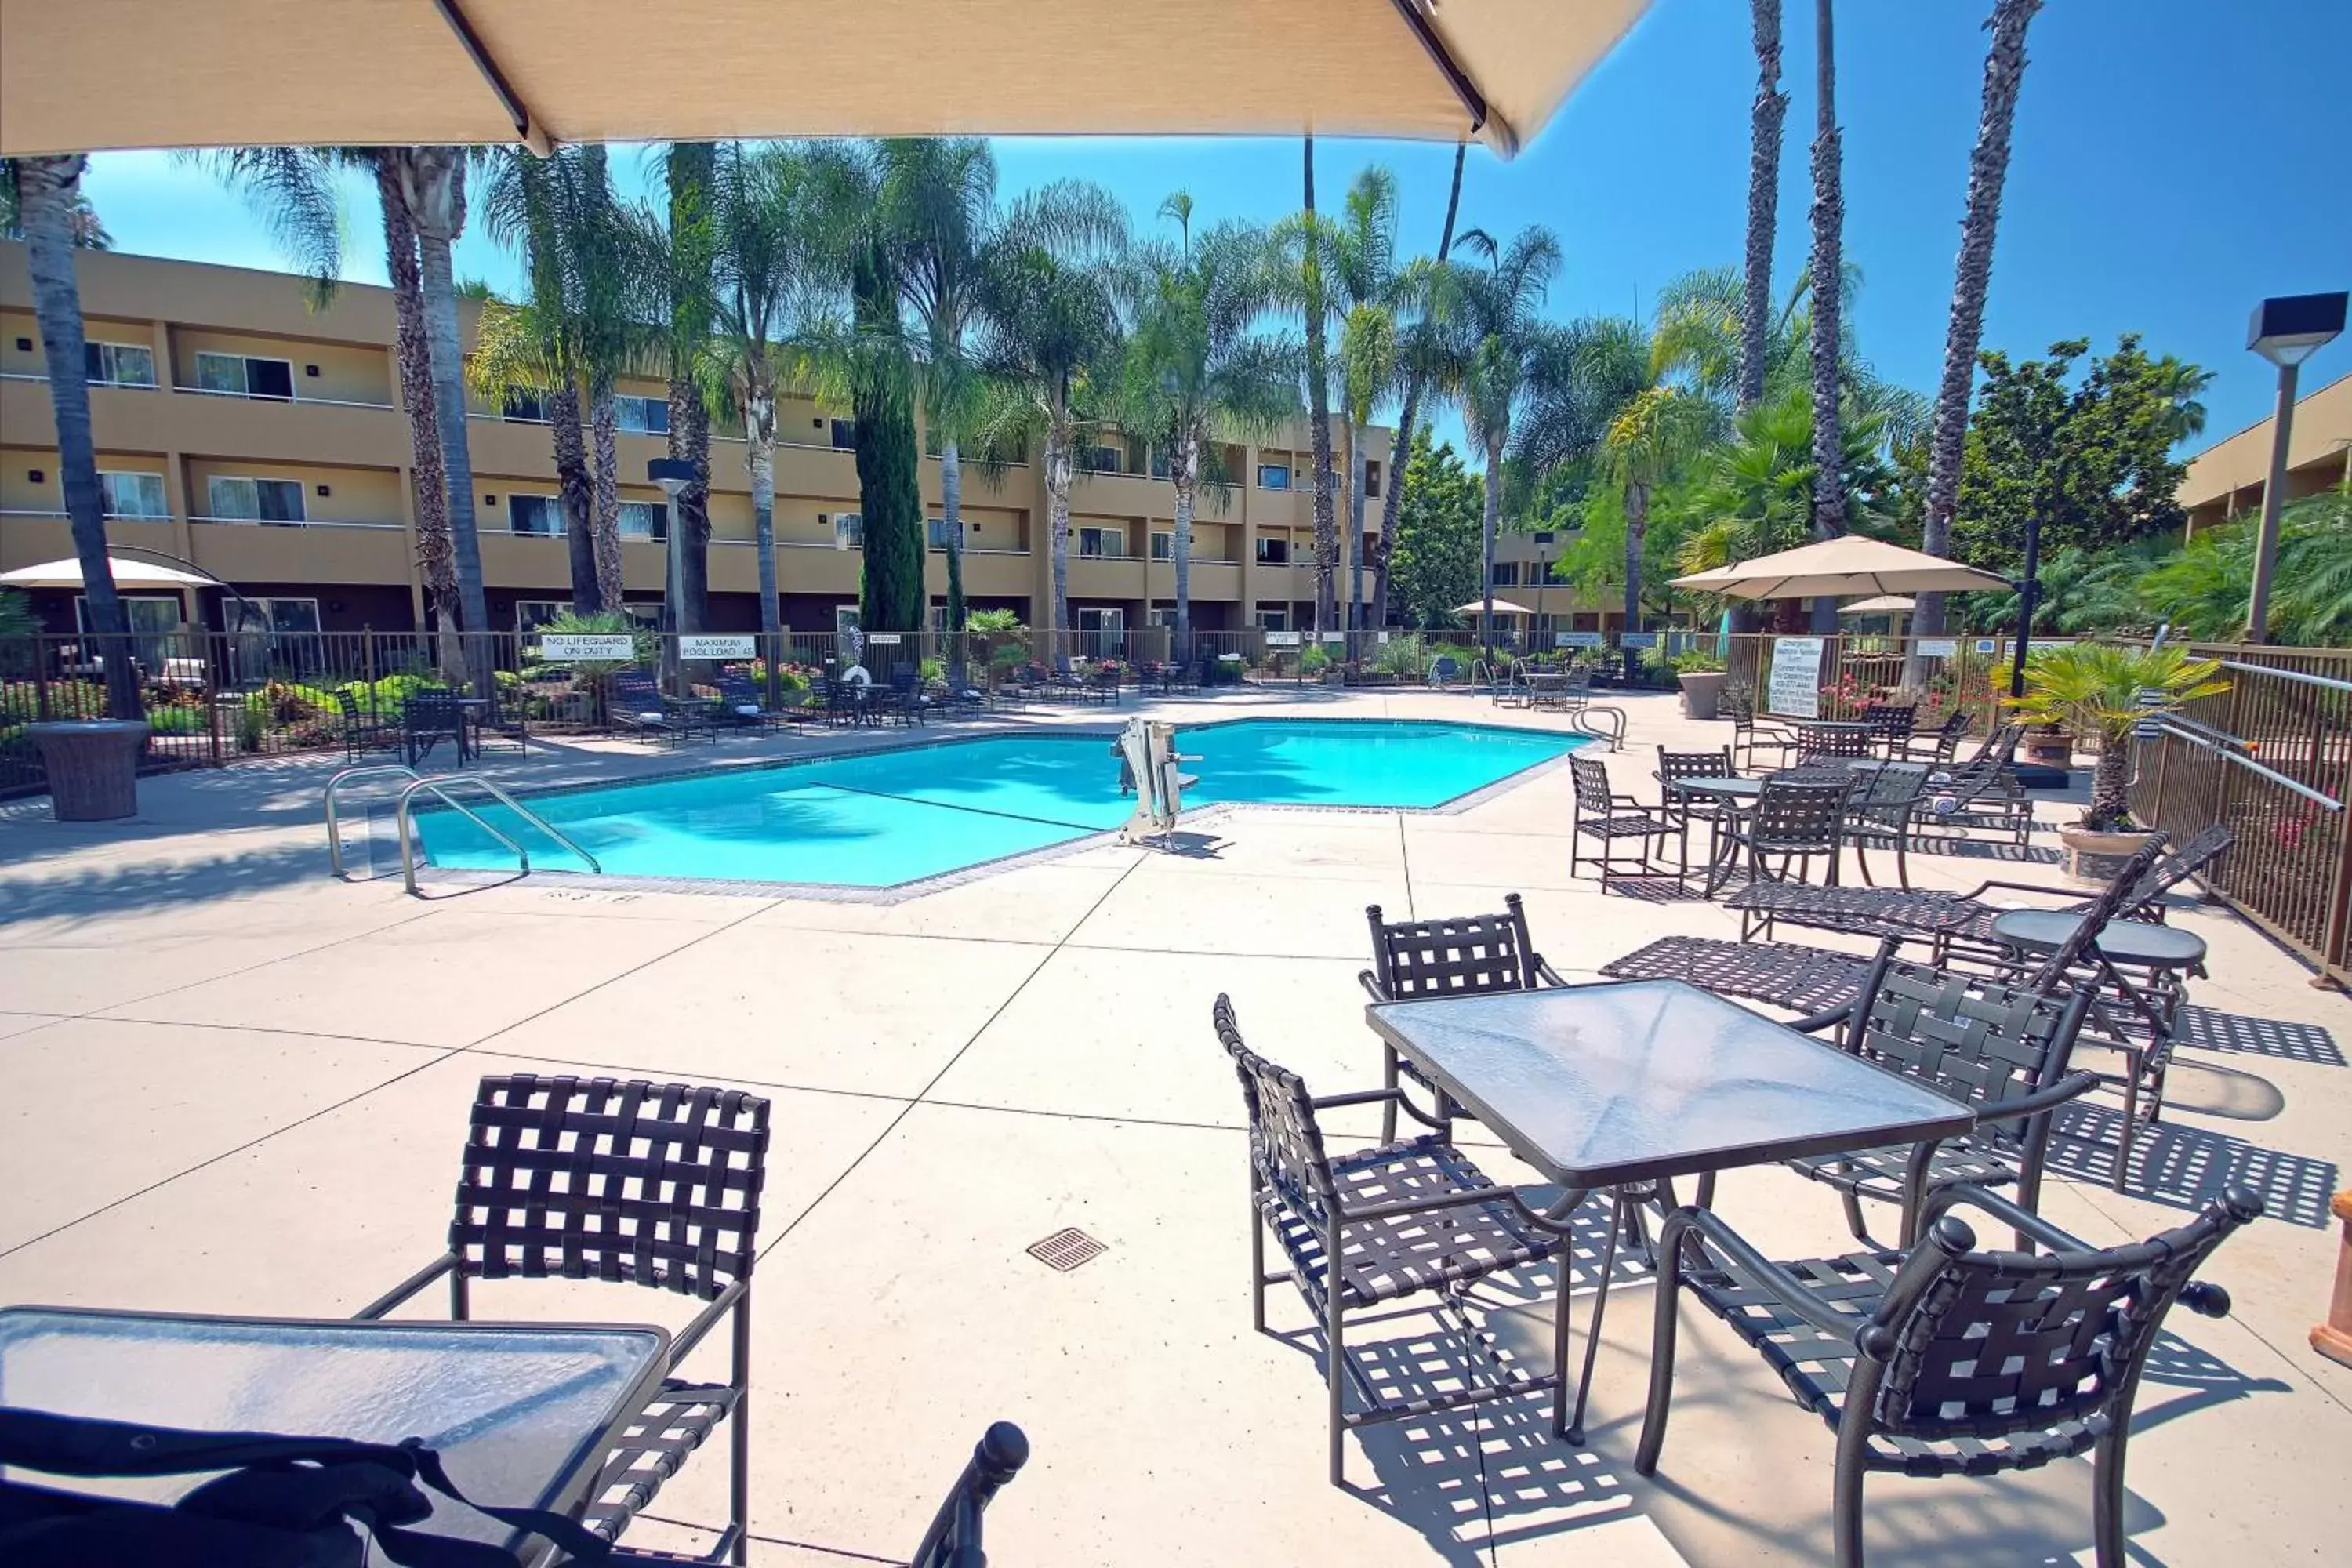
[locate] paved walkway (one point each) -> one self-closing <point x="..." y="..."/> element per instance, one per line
<point x="229" y="1084"/>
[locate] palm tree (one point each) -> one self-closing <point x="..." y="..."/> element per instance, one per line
<point x="762" y="206"/>
<point x="432" y="182"/>
<point x="937" y="199"/>
<point x="1367" y="291"/>
<point x="1988" y="170"/>
<point x="1763" y="200"/>
<point x="1414" y="350"/>
<point x="1051" y="340"/>
<point x="82" y="223"/>
<point x="1197" y="372"/>
<point x="1494" y="347"/>
<point x="613" y="336"/>
<point x="688" y="169"/>
<point x="48" y="195"/>
<point x="1829" y="224"/>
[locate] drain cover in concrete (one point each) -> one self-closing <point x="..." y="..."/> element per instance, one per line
<point x="1065" y="1249"/>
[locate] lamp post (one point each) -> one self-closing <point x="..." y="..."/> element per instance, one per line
<point x="673" y="474"/>
<point x="2286" y="331"/>
<point x="2029" y="594"/>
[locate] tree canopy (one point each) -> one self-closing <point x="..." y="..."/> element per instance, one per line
<point x="1433" y="561"/>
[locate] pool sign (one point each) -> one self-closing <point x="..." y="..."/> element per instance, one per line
<point x="1334" y="637"/>
<point x="1796" y="686"/>
<point x="1637" y="640"/>
<point x="1281" y="639"/>
<point x="882" y="639"/>
<point x="737" y="646"/>
<point x="1576" y="639"/>
<point x="1987" y="645"/>
<point x="587" y="645"/>
<point x="1938" y="647"/>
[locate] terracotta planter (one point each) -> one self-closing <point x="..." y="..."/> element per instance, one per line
<point x="1702" y="692"/>
<point x="2333" y="1339"/>
<point x="2049" y="748"/>
<point x="2094" y="857"/>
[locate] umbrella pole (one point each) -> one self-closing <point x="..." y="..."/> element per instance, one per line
<point x="2029" y="592"/>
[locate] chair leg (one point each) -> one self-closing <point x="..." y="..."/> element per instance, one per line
<point x="1847" y="1502"/>
<point x="739" y="1494"/>
<point x="1389" y="1081"/>
<point x="2107" y="1495"/>
<point x="2129" y="1132"/>
<point x="1854" y="1221"/>
<point x="1334" y="1368"/>
<point x="1257" y="1261"/>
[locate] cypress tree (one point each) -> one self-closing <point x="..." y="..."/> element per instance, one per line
<point x="882" y="399"/>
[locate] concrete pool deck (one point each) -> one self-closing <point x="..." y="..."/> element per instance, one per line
<point x="228" y="1083"/>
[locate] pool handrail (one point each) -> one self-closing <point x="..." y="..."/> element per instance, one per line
<point x="334" y="824"/>
<point x="403" y="815"/>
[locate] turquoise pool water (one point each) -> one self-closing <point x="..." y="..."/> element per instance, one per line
<point x="892" y="817"/>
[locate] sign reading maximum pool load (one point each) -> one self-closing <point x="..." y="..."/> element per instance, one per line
<point x="886" y="818"/>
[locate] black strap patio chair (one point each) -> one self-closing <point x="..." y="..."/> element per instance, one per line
<point x="1946" y="1359"/>
<point x="1748" y="736"/>
<point x="1937" y="747"/>
<point x="429" y="718"/>
<point x="1680" y="809"/>
<point x="2002" y="1049"/>
<point x="953" y="1540"/>
<point x="1609" y="816"/>
<point x="1879" y="815"/>
<point x="367" y="730"/>
<point x="740" y="702"/>
<point x="634" y="1183"/>
<point x="638" y="707"/>
<point x="1374" y="1227"/>
<point x="1459" y="956"/>
<point x="1834" y="745"/>
<point x="1891" y="724"/>
<point x="1796" y="816"/>
<point x="1983" y="791"/>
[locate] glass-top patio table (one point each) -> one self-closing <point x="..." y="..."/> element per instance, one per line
<point x="522" y="1414"/>
<point x="1633" y="1081"/>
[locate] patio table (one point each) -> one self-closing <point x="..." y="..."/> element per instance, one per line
<point x="1634" y="1081"/>
<point x="1735" y="795"/>
<point x="522" y="1414"/>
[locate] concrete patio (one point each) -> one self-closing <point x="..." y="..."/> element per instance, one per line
<point x="230" y="1084"/>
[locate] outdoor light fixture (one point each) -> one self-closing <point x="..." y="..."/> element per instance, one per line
<point x="673" y="474"/>
<point x="2286" y="331"/>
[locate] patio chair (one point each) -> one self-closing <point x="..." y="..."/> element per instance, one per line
<point x="429" y="718"/>
<point x="1445" y="667"/>
<point x="1998" y="1048"/>
<point x="1748" y="735"/>
<point x="1937" y="747"/>
<point x="635" y="1184"/>
<point x="1833" y="745"/>
<point x="953" y="1540"/>
<point x="1983" y="791"/>
<point x="1880" y="813"/>
<point x="907" y="697"/>
<point x="1682" y="810"/>
<point x="1604" y="814"/>
<point x="1454" y="957"/>
<point x="365" y="730"/>
<point x="1890" y="726"/>
<point x="1374" y="1227"/>
<point x="1796" y="816"/>
<point x="638" y="707"/>
<point x="741" y="703"/>
<point x="1946" y="1359"/>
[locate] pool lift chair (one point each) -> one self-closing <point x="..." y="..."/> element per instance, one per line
<point x="1148" y="754"/>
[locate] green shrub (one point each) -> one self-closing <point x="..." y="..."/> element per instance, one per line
<point x="176" y="720"/>
<point x="1400" y="657"/>
<point x="1313" y="661"/>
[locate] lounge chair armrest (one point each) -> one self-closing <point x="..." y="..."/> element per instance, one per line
<point x="1983" y="888"/>
<point x="1738" y="1257"/>
<point x="2048" y="1097"/>
<point x="691" y="1335"/>
<point x="1428" y="1202"/>
<point x="2018" y="1219"/>
<point x="1371" y="983"/>
<point x="1547" y="973"/>
<point x="1356" y="1097"/>
<point x="1820" y="1021"/>
<point x="406" y="1288"/>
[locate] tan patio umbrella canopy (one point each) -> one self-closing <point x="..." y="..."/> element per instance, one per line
<point x="1837" y="567"/>
<point x="1502" y="607"/>
<point x="126" y="575"/>
<point x="1884" y="604"/>
<point x="87" y="75"/>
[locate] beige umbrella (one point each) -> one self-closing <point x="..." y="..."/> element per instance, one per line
<point x="126" y="575"/>
<point x="1502" y="607"/>
<point x="81" y="75"/>
<point x="1837" y="567"/>
<point x="1884" y="604"/>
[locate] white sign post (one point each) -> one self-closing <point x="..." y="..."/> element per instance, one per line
<point x="1796" y="686"/>
<point x="723" y="647"/>
<point x="1281" y="639"/>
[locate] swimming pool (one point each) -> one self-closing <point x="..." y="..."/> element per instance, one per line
<point x="883" y="819"/>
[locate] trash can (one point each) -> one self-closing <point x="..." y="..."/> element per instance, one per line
<point x="92" y="767"/>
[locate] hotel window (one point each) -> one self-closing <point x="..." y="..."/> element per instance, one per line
<point x="534" y="514"/>
<point x="939" y="618"/>
<point x="1273" y="476"/>
<point x="844" y="434"/>
<point x="524" y="405"/>
<point x="1102" y="543"/>
<point x="1274" y="551"/>
<point x="154" y="619"/>
<point x="1161" y="615"/>
<point x="245" y="376"/>
<point x="844" y="619"/>
<point x="848" y="531"/>
<point x="532" y="614"/>
<point x="1272" y="618"/>
<point x="254" y="501"/>
<point x="1106" y="461"/>
<point x="276" y="632"/>
<point x="642" y="416"/>
<point x="644" y="520"/>
<point x="132" y="495"/>
<point x="120" y="364"/>
<point x="1373" y="479"/>
<point x="937" y="529"/>
<point x="1159" y="464"/>
<point x="1506" y="574"/>
<point x="1163" y="546"/>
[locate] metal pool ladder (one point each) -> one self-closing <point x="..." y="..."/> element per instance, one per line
<point x="440" y="787"/>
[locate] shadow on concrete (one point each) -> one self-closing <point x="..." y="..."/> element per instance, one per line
<point x="147" y="888"/>
<point x="2186" y="1167"/>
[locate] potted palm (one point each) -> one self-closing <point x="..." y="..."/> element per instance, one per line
<point x="2096" y="692"/>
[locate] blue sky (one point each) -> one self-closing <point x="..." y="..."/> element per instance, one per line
<point x="2174" y="161"/>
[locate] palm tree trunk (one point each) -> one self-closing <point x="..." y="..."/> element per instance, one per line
<point x="604" y="425"/>
<point x="1637" y="533"/>
<point x="2111" y="785"/>
<point x="760" y="459"/>
<point x="1057" y="530"/>
<point x="1488" y="527"/>
<point x="435" y="184"/>
<point x="1355" y="525"/>
<point x="1400" y="450"/>
<point x="436" y="554"/>
<point x="1826" y="267"/>
<point x="952" y="516"/>
<point x="579" y="497"/>
<point x="1988" y="170"/>
<point x="691" y="170"/>
<point x="47" y="191"/>
<point x="1763" y="202"/>
<point x="1318" y="398"/>
<point x="1184" y="473"/>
